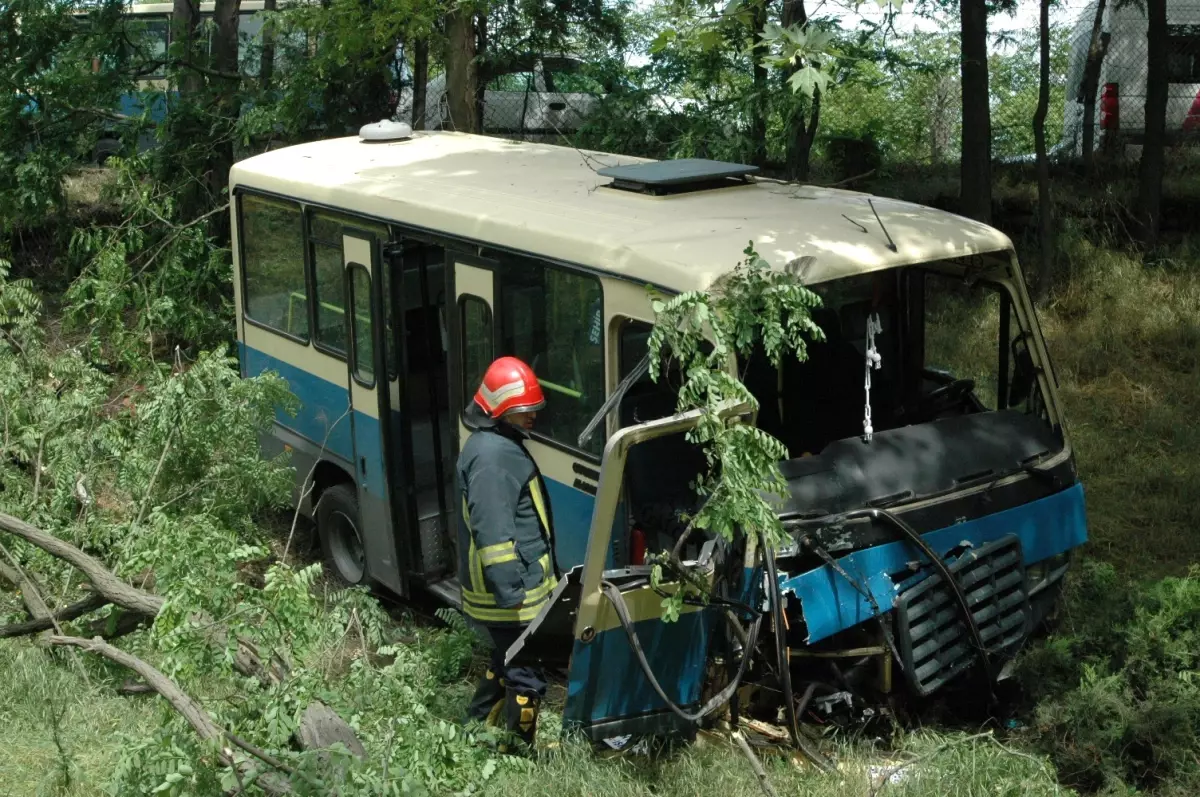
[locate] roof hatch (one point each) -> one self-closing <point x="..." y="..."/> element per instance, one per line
<point x="681" y="176"/>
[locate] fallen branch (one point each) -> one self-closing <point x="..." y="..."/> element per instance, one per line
<point x="73" y="612"/>
<point x="30" y="594"/>
<point x="102" y="579"/>
<point x="189" y="709"/>
<point x="849" y="180"/>
<point x="755" y="764"/>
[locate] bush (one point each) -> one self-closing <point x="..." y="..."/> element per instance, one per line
<point x="1119" y="692"/>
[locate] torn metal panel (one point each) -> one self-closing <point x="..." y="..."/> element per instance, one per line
<point x="830" y="604"/>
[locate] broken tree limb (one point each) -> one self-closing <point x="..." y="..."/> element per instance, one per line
<point x="102" y="579"/>
<point x="200" y="720"/>
<point x="755" y="764"/>
<point x="188" y="708"/>
<point x="30" y="594"/>
<point x="73" y="612"/>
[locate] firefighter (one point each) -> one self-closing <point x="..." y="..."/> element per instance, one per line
<point x="505" y="550"/>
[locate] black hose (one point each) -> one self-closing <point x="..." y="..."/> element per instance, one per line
<point x="618" y="601"/>
<point x="785" y="668"/>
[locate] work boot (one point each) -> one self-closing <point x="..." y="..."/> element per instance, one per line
<point x="520" y="719"/>
<point x="486" y="705"/>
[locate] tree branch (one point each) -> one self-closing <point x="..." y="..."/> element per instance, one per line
<point x="102" y="579"/>
<point x="65" y="615"/>
<point x="29" y="592"/>
<point x="200" y="720"/>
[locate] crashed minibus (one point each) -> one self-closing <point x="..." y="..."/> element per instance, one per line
<point x="380" y="274"/>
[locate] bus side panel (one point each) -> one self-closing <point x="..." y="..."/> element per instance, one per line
<point x="321" y="426"/>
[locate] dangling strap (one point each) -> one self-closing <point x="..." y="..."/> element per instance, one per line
<point x="873" y="360"/>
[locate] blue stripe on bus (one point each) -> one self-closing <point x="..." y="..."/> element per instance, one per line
<point x="606" y="682"/>
<point x="322" y="403"/>
<point x="829" y="604"/>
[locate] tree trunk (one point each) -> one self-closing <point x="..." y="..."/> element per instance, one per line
<point x="802" y="130"/>
<point x="266" y="68"/>
<point x="940" y="119"/>
<point x="758" y="113"/>
<point x="481" y="80"/>
<point x="1045" y="206"/>
<point x="226" y="89"/>
<point x="976" y="189"/>
<point x="1090" y="86"/>
<point x="420" y="78"/>
<point x="185" y="22"/>
<point x="1150" y="179"/>
<point x="461" y="78"/>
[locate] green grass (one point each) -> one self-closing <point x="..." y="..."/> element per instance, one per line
<point x="60" y="734"/>
<point x="1125" y="340"/>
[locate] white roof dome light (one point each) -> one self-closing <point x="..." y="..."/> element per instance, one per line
<point x="385" y="130"/>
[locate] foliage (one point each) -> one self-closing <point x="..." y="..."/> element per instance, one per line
<point x="53" y="104"/>
<point x="752" y="307"/>
<point x="1118" y="695"/>
<point x="153" y="282"/>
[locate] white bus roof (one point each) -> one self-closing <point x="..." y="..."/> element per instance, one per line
<point x="549" y="200"/>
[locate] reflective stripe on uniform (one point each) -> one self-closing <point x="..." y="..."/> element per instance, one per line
<point x="524" y="614"/>
<point x="539" y="505"/>
<point x="498" y="553"/>
<point x="485" y="598"/>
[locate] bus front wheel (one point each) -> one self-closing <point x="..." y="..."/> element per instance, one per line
<point x="341" y="536"/>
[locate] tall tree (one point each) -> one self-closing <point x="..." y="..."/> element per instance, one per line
<point x="1045" y="205"/>
<point x="461" y="70"/>
<point x="806" y="110"/>
<point x="1090" y="86"/>
<point x="266" y="63"/>
<point x="226" y="85"/>
<point x="758" y="118"/>
<point x="420" y="78"/>
<point x="1154" y="141"/>
<point x="976" y="170"/>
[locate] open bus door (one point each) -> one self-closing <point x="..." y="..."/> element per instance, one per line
<point x="370" y="415"/>
<point x="609" y="693"/>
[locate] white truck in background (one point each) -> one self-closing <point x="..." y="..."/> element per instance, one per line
<point x="1120" y="111"/>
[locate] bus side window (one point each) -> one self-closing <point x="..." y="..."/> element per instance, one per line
<point x="550" y="319"/>
<point x="273" y="265"/>
<point x="329" y="287"/>
<point x="360" y="324"/>
<point x="476" y="341"/>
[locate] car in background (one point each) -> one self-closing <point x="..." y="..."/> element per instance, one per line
<point x="1120" y="112"/>
<point x="538" y="95"/>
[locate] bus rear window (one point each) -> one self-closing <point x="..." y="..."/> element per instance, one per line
<point x="273" y="265"/>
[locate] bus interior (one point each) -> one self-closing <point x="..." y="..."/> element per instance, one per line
<point x="954" y="400"/>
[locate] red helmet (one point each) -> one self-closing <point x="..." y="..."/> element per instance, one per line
<point x="509" y="386"/>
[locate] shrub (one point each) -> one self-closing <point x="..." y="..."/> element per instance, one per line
<point x="1119" y="692"/>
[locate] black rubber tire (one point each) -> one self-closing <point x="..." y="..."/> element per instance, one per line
<point x="105" y="148"/>
<point x="338" y="526"/>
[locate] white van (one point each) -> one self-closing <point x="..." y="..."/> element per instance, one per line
<point x="1120" y="114"/>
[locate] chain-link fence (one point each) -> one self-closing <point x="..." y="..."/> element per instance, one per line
<point x="1099" y="54"/>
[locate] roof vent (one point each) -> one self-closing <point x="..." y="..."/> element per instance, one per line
<point x="385" y="130"/>
<point x="677" y="176"/>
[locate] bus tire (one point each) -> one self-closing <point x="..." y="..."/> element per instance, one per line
<point x="339" y="527"/>
<point x="105" y="148"/>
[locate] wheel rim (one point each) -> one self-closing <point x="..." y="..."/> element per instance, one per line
<point x="346" y="547"/>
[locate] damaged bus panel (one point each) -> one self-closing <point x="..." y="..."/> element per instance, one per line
<point x="932" y="503"/>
